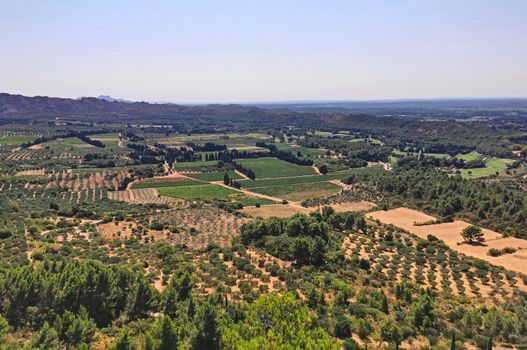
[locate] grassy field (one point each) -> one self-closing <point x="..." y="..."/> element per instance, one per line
<point x="301" y="191"/>
<point x="67" y="144"/>
<point x="272" y="167"/>
<point x="190" y="165"/>
<point x="392" y="160"/>
<point x="304" y="150"/>
<point x="157" y="184"/>
<point x="372" y="140"/>
<point x="110" y="140"/>
<point x="295" y="180"/>
<point x="323" y="133"/>
<point x="112" y="135"/>
<point x="492" y="166"/>
<point x="210" y="192"/>
<point x="468" y="157"/>
<point x="214" y="176"/>
<point x="16" y="140"/>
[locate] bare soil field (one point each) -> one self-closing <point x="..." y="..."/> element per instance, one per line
<point x="275" y="210"/>
<point x="353" y="206"/>
<point x="450" y="233"/>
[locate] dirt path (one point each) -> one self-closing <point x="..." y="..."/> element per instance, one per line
<point x="241" y="174"/>
<point x="247" y="192"/>
<point x="316" y="170"/>
<point x="341" y="184"/>
<point x="27" y="238"/>
<point x="175" y="173"/>
<point x="167" y="168"/>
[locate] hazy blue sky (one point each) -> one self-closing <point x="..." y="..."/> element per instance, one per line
<point x="254" y="50"/>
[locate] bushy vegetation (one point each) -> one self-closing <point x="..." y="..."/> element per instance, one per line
<point x="183" y="268"/>
<point x="491" y="205"/>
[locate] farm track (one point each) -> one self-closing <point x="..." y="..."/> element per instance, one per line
<point x="340" y="184"/>
<point x="247" y="192"/>
<point x="241" y="174"/>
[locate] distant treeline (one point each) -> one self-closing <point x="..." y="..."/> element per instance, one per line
<point x="416" y="182"/>
<point x="229" y="156"/>
<point x="360" y="150"/>
<point x="247" y="172"/>
<point x="92" y="142"/>
<point x="144" y="154"/>
<point x="284" y="155"/>
<point x="71" y="133"/>
<point x="207" y="147"/>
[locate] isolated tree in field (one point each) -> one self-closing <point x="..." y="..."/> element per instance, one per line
<point x="226" y="179"/>
<point x="323" y="169"/>
<point x="472" y="234"/>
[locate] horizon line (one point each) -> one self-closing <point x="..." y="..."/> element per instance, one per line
<point x="285" y="101"/>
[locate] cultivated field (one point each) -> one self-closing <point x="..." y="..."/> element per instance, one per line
<point x="211" y="192"/>
<point x="450" y="233"/>
<point x="492" y="166"/>
<point x="189" y="166"/>
<point x="403" y="258"/>
<point x="214" y="176"/>
<point x="165" y="182"/>
<point x="299" y="192"/>
<point x="272" y="167"/>
<point x="141" y="196"/>
<point x="305" y="151"/>
<point x="16" y="139"/>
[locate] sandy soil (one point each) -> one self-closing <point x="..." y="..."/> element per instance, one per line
<point x="277" y="210"/>
<point x="353" y="206"/>
<point x="123" y="230"/>
<point x="450" y="233"/>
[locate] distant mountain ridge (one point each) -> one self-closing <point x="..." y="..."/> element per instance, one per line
<point x="111" y="99"/>
<point x="44" y="105"/>
<point x="19" y="107"/>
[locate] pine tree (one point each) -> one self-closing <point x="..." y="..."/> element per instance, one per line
<point x="489" y="342"/>
<point x="191" y="310"/>
<point x="208" y="336"/>
<point x="46" y="338"/>
<point x="168" y="339"/>
<point x="123" y="342"/>
<point x="170" y="301"/>
<point x="384" y="306"/>
<point x="148" y="342"/>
